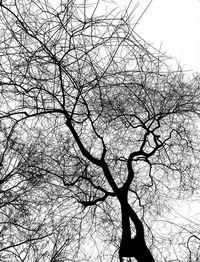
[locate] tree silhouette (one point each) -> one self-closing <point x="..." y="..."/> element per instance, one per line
<point x="102" y="136"/>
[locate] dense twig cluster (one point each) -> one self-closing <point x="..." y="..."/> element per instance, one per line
<point x="94" y="127"/>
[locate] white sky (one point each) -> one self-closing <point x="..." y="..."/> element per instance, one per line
<point x="174" y="24"/>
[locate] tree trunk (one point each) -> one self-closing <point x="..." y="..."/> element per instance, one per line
<point x="133" y="247"/>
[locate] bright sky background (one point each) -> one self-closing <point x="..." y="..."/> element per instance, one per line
<point x="174" y="24"/>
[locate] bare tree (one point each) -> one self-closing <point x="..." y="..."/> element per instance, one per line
<point x="108" y="131"/>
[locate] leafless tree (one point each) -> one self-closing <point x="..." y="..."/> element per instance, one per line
<point x="107" y="138"/>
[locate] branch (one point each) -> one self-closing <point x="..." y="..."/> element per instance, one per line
<point x="137" y="222"/>
<point x="99" y="162"/>
<point x="94" y="202"/>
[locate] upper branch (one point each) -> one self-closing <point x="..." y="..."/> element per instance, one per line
<point x="99" y="162"/>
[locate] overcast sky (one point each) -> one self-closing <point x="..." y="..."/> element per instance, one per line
<point x="176" y="25"/>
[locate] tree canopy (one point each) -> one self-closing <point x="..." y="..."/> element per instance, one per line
<point x="99" y="138"/>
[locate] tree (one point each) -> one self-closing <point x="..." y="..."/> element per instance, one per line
<point x="106" y="130"/>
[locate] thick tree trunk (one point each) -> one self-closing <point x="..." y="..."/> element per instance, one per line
<point x="133" y="247"/>
<point x="143" y="254"/>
